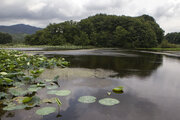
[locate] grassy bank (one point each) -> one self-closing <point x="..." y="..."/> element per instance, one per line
<point x="47" y="47"/>
<point x="160" y="49"/>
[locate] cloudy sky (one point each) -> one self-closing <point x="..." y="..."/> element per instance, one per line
<point x="42" y="12"/>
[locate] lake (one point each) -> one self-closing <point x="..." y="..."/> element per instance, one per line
<point x="151" y="84"/>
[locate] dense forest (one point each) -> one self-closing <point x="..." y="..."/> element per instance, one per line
<point x="173" y="37"/>
<point x="103" y="31"/>
<point x="5" y="38"/>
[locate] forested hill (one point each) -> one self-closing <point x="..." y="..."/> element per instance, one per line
<point x="19" y="29"/>
<point x="102" y="30"/>
<point x="173" y="37"/>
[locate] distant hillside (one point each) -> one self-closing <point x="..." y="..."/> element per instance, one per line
<point x="19" y="29"/>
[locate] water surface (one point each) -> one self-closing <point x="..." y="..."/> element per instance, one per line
<point x="151" y="86"/>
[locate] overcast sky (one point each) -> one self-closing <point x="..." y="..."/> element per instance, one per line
<point x="42" y="12"/>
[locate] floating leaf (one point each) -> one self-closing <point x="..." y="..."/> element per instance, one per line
<point x="52" y="92"/>
<point x="3" y="73"/>
<point x="46" y="110"/>
<point x="109" y="101"/>
<point x="17" y="91"/>
<point x="60" y="92"/>
<point x="118" y="89"/>
<point x="34" y="101"/>
<point x="18" y="84"/>
<point x="51" y="100"/>
<point x="52" y="87"/>
<point x="87" y="99"/>
<point x="33" y="88"/>
<point x="27" y="99"/>
<point x="48" y="80"/>
<point x="14" y="107"/>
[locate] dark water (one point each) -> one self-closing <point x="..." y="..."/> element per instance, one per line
<point x="151" y="86"/>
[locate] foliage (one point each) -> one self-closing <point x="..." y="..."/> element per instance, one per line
<point x="118" y="89"/>
<point x="109" y="101"/>
<point x="59" y="92"/>
<point x="46" y="110"/>
<point x="102" y="30"/>
<point x="166" y="44"/>
<point x="5" y="38"/>
<point x="87" y="99"/>
<point x="173" y="37"/>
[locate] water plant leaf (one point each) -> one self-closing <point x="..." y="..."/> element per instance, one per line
<point x="14" y="107"/>
<point x="47" y="100"/>
<point x="87" y="99"/>
<point x="58" y="102"/>
<point x="18" y="84"/>
<point x="118" y="89"/>
<point x="52" y="87"/>
<point x="17" y="91"/>
<point x="109" y="101"/>
<point x="48" y="80"/>
<point x="46" y="111"/>
<point x="60" y="92"/>
<point x="27" y="99"/>
<point x="3" y="73"/>
<point x="33" y="102"/>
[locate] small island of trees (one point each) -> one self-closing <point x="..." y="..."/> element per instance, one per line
<point x="102" y="30"/>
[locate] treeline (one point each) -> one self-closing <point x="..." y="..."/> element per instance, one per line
<point x="5" y="38"/>
<point x="173" y="37"/>
<point x="102" y="30"/>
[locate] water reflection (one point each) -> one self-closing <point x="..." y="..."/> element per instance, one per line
<point x="141" y="66"/>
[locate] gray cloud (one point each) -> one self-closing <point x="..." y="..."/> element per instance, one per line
<point x="42" y="12"/>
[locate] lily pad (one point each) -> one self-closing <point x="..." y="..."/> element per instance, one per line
<point x="33" y="89"/>
<point x="46" y="111"/>
<point x="109" y="101"/>
<point x="87" y="99"/>
<point x="27" y="99"/>
<point x="60" y="92"/>
<point x="51" y="100"/>
<point x="52" y="87"/>
<point x="33" y="102"/>
<point x="17" y="91"/>
<point x="118" y="89"/>
<point x="18" y="84"/>
<point x="48" y="80"/>
<point x="14" y="107"/>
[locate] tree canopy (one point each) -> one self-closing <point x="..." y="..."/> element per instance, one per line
<point x="173" y="37"/>
<point x="102" y="30"/>
<point x="5" y="38"/>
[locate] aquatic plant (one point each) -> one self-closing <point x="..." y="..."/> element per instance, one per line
<point x="87" y="99"/>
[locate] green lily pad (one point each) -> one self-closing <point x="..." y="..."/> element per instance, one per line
<point x="33" y="102"/>
<point x="14" y="107"/>
<point x="87" y="99"/>
<point x="48" y="80"/>
<point x="60" y="92"/>
<point x="52" y="87"/>
<point x="52" y="92"/>
<point x="118" y="89"/>
<point x="17" y="91"/>
<point x="46" y="111"/>
<point x="109" y="101"/>
<point x="27" y="99"/>
<point x="51" y="100"/>
<point x="34" y="89"/>
<point x="18" y="84"/>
